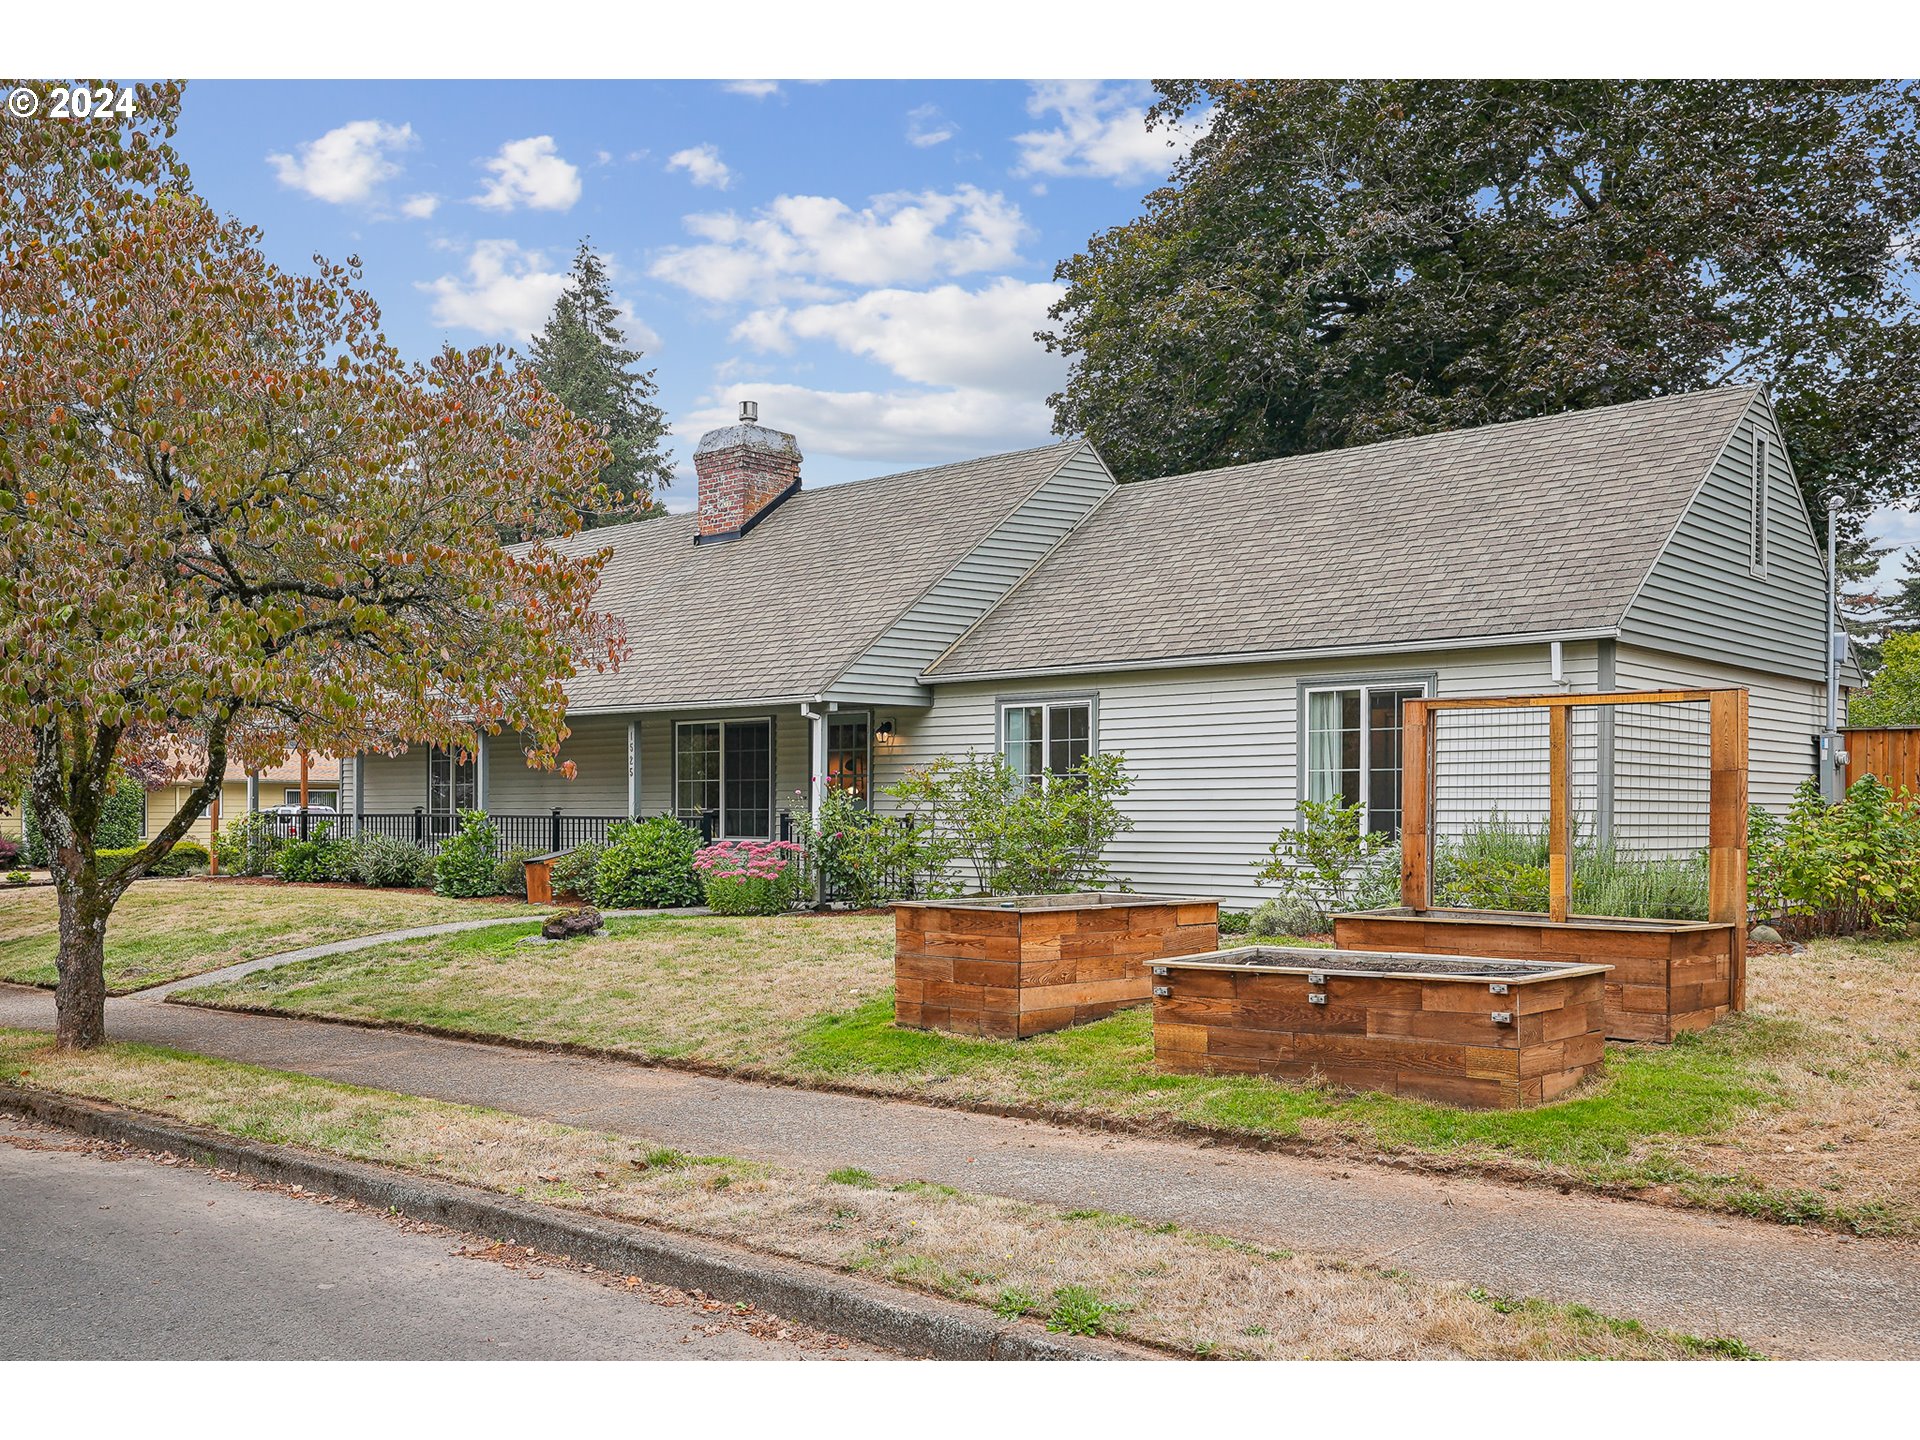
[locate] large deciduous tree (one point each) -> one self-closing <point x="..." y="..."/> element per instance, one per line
<point x="1336" y="262"/>
<point x="582" y="356"/>
<point x="233" y="520"/>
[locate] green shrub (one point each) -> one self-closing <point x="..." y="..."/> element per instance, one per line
<point x="868" y="859"/>
<point x="9" y="852"/>
<point x="573" y="873"/>
<point x="119" y="827"/>
<point x="1325" y="864"/>
<point x="1235" y="922"/>
<point x="384" y="862"/>
<point x="750" y="877"/>
<point x="249" y="846"/>
<point x="1017" y="838"/>
<point x="1837" y="869"/>
<point x="19" y="877"/>
<point x="464" y="868"/>
<point x="1286" y="915"/>
<point x="317" y="858"/>
<point x="647" y="865"/>
<point x="510" y="873"/>
<point x="185" y="858"/>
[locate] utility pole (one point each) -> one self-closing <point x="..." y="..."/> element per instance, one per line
<point x="1832" y="757"/>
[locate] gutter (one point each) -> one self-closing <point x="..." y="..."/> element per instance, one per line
<point x="1270" y="657"/>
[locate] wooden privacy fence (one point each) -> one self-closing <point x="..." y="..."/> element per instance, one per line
<point x="1719" y="783"/>
<point x="1890" y="753"/>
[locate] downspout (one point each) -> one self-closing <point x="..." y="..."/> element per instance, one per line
<point x="817" y="757"/>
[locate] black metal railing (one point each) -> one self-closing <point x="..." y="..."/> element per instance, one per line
<point x="553" y="830"/>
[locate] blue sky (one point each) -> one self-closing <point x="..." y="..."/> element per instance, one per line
<point x="867" y="259"/>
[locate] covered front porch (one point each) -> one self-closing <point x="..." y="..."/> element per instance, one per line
<point x="738" y="772"/>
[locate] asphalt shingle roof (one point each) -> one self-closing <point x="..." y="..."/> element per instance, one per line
<point x="782" y="611"/>
<point x="1520" y="528"/>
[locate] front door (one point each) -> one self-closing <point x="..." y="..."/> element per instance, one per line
<point x="452" y="786"/>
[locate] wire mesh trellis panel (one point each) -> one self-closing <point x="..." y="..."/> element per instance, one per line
<point x="1637" y="807"/>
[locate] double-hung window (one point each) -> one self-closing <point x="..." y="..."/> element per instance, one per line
<point x="1050" y="738"/>
<point x="1353" y="750"/>
<point x="724" y="768"/>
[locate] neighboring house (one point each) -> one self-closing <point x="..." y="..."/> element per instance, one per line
<point x="278" y="786"/>
<point x="1244" y="636"/>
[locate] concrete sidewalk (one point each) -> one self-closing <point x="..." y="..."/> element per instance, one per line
<point x="1784" y="1291"/>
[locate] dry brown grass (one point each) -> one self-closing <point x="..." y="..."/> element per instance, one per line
<point x="1195" y="1293"/>
<point x="165" y="929"/>
<point x="731" y="991"/>
<point x="1839" y="1028"/>
<point x="1805" y="1109"/>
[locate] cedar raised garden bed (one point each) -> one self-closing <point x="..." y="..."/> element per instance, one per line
<point x="1027" y="964"/>
<point x="1457" y="1030"/>
<point x="1667" y="975"/>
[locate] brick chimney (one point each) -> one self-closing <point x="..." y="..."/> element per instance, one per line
<point x="745" y="470"/>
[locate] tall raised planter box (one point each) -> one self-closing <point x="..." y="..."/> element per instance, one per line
<point x="1667" y="975"/>
<point x="1026" y="964"/>
<point x="1459" y="1031"/>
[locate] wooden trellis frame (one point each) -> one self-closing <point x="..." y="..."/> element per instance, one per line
<point x="1727" y="794"/>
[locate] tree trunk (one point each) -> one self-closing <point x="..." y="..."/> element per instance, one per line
<point x="80" y="999"/>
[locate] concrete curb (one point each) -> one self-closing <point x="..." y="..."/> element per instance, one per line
<point x="847" y="1305"/>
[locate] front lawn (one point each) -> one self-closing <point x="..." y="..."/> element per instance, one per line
<point x="1081" y="1271"/>
<point x="167" y="929"/>
<point x="1805" y="1109"/>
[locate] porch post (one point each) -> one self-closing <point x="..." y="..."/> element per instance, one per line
<point x="359" y="789"/>
<point x="253" y="794"/>
<point x="633" y="769"/>
<point x="480" y="774"/>
<point x="817" y="747"/>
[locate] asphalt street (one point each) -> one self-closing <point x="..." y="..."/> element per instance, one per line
<point x="109" y="1256"/>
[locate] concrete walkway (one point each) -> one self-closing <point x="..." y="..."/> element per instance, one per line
<point x="365" y="942"/>
<point x="1784" y="1291"/>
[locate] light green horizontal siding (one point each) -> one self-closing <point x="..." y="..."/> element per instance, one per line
<point x="1701" y="597"/>
<point x="1212" y="751"/>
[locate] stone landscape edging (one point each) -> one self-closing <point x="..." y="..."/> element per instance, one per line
<point x="847" y="1305"/>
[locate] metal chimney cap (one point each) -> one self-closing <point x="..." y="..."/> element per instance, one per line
<point x="749" y="412"/>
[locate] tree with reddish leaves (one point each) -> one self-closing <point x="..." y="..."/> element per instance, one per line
<point x="235" y="522"/>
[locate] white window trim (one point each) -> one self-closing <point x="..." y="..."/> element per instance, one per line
<point x="1304" y="761"/>
<point x="453" y="781"/>
<point x="773" y="775"/>
<point x="1004" y="703"/>
<point x="1760" y="505"/>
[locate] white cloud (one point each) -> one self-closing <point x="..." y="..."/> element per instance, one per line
<point x="346" y="165"/>
<point x="910" y="426"/>
<point x="755" y="89"/>
<point x="506" y="293"/>
<point x="703" y="166"/>
<point x="419" y="207"/>
<point x="927" y="127"/>
<point x="804" y="246"/>
<point x="530" y="172"/>
<point x="1101" y="131"/>
<point x="948" y="336"/>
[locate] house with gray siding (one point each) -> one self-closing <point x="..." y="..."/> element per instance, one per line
<point x="1244" y="636"/>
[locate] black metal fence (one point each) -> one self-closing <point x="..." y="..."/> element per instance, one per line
<point x="541" y="833"/>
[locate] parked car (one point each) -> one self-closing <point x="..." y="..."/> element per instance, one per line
<point x="285" y="819"/>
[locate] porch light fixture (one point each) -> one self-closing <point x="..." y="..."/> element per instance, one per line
<point x="885" y="732"/>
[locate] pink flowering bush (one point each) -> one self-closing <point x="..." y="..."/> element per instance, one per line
<point x="750" y="877"/>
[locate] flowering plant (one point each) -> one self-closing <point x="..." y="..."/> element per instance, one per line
<point x="750" y="877"/>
